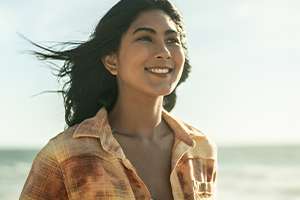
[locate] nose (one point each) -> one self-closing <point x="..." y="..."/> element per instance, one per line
<point x="162" y="52"/>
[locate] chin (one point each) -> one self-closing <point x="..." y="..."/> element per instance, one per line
<point x="158" y="89"/>
<point x="162" y="92"/>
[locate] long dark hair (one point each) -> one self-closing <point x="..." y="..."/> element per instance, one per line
<point x="89" y="85"/>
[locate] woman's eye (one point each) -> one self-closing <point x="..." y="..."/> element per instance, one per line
<point x="146" y="38"/>
<point x="173" y="41"/>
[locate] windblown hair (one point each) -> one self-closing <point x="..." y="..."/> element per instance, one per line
<point x="89" y="84"/>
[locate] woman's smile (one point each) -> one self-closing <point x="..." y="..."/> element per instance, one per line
<point x="161" y="72"/>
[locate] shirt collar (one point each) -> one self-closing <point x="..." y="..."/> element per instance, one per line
<point x="98" y="127"/>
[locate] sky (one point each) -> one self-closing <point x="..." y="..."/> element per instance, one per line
<point x="244" y="88"/>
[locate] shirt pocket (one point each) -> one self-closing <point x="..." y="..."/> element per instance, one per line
<point x="203" y="176"/>
<point x="197" y="177"/>
<point x="88" y="176"/>
<point x="203" y="190"/>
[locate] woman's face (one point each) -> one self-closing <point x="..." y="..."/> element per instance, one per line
<point x="150" y="58"/>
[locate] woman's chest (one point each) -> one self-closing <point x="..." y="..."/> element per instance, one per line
<point x="153" y="167"/>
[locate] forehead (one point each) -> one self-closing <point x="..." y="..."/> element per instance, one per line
<point x="156" y="19"/>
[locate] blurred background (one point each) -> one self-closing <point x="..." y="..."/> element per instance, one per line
<point x="243" y="92"/>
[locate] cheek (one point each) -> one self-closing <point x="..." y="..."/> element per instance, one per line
<point x="135" y="56"/>
<point x="132" y="63"/>
<point x="179" y="57"/>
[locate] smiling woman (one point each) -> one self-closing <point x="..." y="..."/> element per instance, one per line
<point x="121" y="141"/>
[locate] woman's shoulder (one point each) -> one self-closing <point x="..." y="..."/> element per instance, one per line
<point x="63" y="136"/>
<point x="64" y="145"/>
<point x="204" y="145"/>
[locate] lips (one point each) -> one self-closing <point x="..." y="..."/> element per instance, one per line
<point x="159" y="69"/>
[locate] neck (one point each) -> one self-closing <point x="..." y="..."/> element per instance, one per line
<point x="137" y="116"/>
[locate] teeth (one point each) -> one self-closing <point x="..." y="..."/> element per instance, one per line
<point x="159" y="70"/>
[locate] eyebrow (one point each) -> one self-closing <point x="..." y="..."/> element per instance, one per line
<point x="151" y="30"/>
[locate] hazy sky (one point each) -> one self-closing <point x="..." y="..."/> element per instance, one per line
<point x="244" y="86"/>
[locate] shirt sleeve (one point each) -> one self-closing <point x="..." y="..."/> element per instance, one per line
<point x="45" y="179"/>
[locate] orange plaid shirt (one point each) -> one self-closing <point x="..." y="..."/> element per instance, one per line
<point x="86" y="162"/>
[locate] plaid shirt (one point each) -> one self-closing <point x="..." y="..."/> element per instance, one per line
<point x="86" y="162"/>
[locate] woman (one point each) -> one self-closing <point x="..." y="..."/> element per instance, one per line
<point x="121" y="141"/>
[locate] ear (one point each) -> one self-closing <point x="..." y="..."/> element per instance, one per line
<point x="110" y="63"/>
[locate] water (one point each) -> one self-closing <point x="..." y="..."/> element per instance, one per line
<point x="259" y="172"/>
<point x="254" y="172"/>
<point x="14" y="168"/>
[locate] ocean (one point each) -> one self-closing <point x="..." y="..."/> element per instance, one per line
<point x="244" y="173"/>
